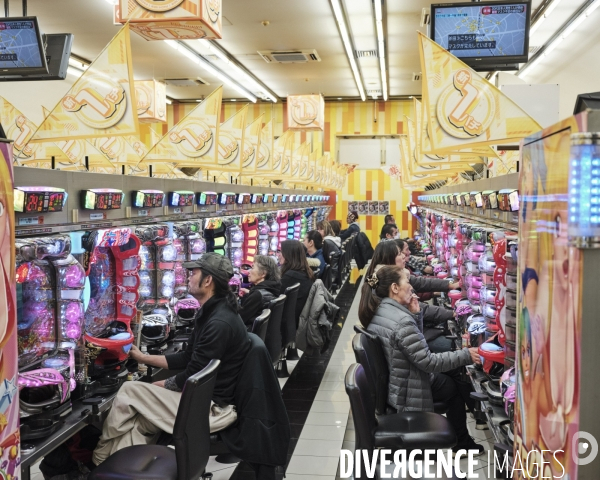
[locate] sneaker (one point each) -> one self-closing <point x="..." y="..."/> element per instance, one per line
<point x="481" y="425"/>
<point x="469" y="444"/>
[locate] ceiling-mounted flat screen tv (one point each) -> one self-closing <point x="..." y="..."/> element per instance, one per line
<point x="488" y="35"/>
<point x="21" y="47"/>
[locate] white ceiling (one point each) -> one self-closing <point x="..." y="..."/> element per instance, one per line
<point x="293" y="24"/>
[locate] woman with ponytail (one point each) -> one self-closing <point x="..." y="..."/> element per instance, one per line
<point x="390" y="309"/>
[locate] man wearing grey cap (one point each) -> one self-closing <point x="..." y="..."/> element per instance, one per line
<point x="141" y="411"/>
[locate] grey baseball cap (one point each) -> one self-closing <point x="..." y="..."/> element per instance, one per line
<point x="214" y="264"/>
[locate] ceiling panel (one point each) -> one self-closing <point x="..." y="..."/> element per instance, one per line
<point x="306" y="24"/>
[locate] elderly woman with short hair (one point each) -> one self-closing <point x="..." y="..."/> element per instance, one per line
<point x="266" y="284"/>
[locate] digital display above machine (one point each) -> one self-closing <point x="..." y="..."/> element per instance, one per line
<point x="243" y="199"/>
<point x="102" y="199"/>
<point x="284" y="197"/>
<point x="39" y="199"/>
<point x="148" y="198"/>
<point x="267" y="197"/>
<point x="181" y="198"/>
<point x="227" y="198"/>
<point x="292" y="198"/>
<point x="304" y="198"/>
<point x="276" y="197"/>
<point x="207" y="198"/>
<point x="257" y="198"/>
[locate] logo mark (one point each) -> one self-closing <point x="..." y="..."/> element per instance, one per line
<point x="111" y="147"/>
<point x="263" y="156"/>
<point x="193" y="138"/>
<point x="22" y="131"/>
<point x="228" y="148"/>
<point x="466" y="108"/>
<point x="582" y="443"/>
<point x="73" y="149"/>
<point x="159" y="5"/>
<point x="144" y="98"/>
<point x="99" y="103"/>
<point x="304" y="110"/>
<point x="248" y="156"/>
<point x="214" y="10"/>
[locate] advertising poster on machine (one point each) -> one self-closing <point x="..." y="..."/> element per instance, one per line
<point x="9" y="398"/>
<point x="549" y="317"/>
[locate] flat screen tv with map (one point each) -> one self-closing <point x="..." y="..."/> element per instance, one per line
<point x="21" y="48"/>
<point x="485" y="35"/>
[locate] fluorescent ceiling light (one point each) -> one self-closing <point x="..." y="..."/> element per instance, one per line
<point x="169" y="101"/>
<point x="341" y="21"/>
<point x="381" y="46"/>
<point x="570" y="28"/>
<point x="196" y="58"/>
<point x="546" y="14"/>
<point x="247" y="78"/>
<point x="74" y="71"/>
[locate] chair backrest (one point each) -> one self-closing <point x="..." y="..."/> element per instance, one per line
<point x="191" y="433"/>
<point x="288" y="319"/>
<point x="261" y="323"/>
<point x="361" y="404"/>
<point x="273" y="340"/>
<point x="326" y="277"/>
<point x="376" y="367"/>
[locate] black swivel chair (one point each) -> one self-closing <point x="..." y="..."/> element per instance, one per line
<point x="326" y="278"/>
<point x="288" y="326"/>
<point x="369" y="353"/>
<point x="191" y="437"/>
<point x="273" y="338"/>
<point x="405" y="430"/>
<point x="261" y="323"/>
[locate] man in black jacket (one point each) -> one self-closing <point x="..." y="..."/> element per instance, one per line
<point x="140" y="410"/>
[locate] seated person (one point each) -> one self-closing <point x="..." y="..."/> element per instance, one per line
<point x="389" y="219"/>
<point x="390" y="309"/>
<point x="331" y="242"/>
<point x="353" y="226"/>
<point x="388" y="232"/>
<point x="417" y="265"/>
<point x="295" y="269"/>
<point x="141" y="411"/>
<point x="264" y="276"/>
<point x="336" y="226"/>
<point x="314" y="247"/>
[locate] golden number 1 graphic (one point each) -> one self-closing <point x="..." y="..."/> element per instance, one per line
<point x="197" y="142"/>
<point x="23" y="137"/>
<point x="461" y="116"/>
<point x="105" y="106"/>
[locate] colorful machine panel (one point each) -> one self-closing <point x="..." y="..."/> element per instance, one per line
<point x="257" y="198"/>
<point x="243" y="199"/>
<point x="102" y="199"/>
<point x="549" y="306"/>
<point x="148" y="198"/>
<point x="9" y="406"/>
<point x="227" y="198"/>
<point x="207" y="198"/>
<point x="181" y="198"/>
<point x="39" y="199"/>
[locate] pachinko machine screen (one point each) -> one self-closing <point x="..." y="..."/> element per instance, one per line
<point x="102" y="199"/>
<point x="39" y="199"/>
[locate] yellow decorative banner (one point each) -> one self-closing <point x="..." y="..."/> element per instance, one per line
<point x="265" y="149"/>
<point x="463" y="108"/>
<point x="306" y="112"/>
<point x="251" y="146"/>
<point x="102" y="101"/>
<point x="151" y="101"/>
<point x="281" y="156"/>
<point x="299" y="156"/>
<point x="193" y="141"/>
<point x="408" y="179"/>
<point x="231" y="142"/>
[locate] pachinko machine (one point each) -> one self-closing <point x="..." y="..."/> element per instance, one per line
<point x="112" y="265"/>
<point x="50" y="315"/>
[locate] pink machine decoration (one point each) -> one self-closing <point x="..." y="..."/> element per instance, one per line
<point x="112" y="270"/>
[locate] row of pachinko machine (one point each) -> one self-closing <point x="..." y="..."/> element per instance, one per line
<point x="85" y="297"/>
<point x="484" y="260"/>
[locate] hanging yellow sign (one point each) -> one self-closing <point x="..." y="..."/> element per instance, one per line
<point x="463" y="108"/>
<point x="231" y="142"/>
<point x="265" y="149"/>
<point x="151" y="101"/>
<point x="306" y="112"/>
<point x="251" y="146"/>
<point x="102" y="101"/>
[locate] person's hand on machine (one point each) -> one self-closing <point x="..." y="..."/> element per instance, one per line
<point x="475" y="355"/>
<point x="136" y="354"/>
<point x="454" y="285"/>
<point x="428" y="270"/>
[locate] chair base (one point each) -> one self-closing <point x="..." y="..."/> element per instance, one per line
<point x="282" y="370"/>
<point x="292" y="354"/>
<point x="227" y="458"/>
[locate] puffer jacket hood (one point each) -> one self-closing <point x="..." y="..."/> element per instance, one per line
<point x="336" y="240"/>
<point x="410" y="362"/>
